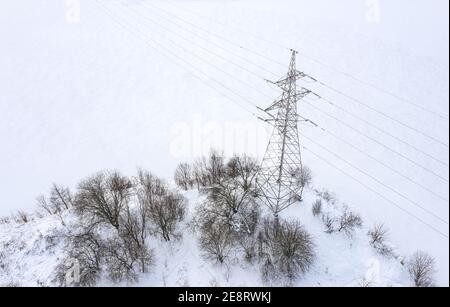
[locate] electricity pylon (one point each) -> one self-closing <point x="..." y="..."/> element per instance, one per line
<point x="278" y="179"/>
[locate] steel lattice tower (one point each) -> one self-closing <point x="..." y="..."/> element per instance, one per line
<point x="277" y="179"/>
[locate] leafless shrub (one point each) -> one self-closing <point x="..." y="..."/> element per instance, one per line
<point x="3" y="263"/>
<point x="365" y="283"/>
<point x="12" y="284"/>
<point x="184" y="176"/>
<point x="302" y="178"/>
<point x="22" y="217"/>
<point x="164" y="208"/>
<point x="287" y="250"/>
<point x="216" y="241"/>
<point x="60" y="199"/>
<point x="305" y="178"/>
<point x="329" y="223"/>
<point x="348" y="222"/>
<point x="378" y="236"/>
<point x="421" y="268"/>
<point x="5" y="220"/>
<point x="327" y="196"/>
<point x="38" y="214"/>
<point x="104" y="197"/>
<point x="317" y="207"/>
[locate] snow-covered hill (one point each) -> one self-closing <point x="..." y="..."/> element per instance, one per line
<point x="79" y="93"/>
<point x="32" y="251"/>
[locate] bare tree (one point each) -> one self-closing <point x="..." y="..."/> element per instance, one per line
<point x="247" y="238"/>
<point x="60" y="199"/>
<point x="89" y="250"/>
<point x="133" y="232"/>
<point x="421" y="268"/>
<point x="216" y="240"/>
<point x="184" y="176"/>
<point x="167" y="213"/>
<point x="122" y="257"/>
<point x="209" y="170"/>
<point x="287" y="250"/>
<point x="44" y="204"/>
<point x="231" y="203"/>
<point x="104" y="196"/>
<point x="165" y="209"/>
<point x="215" y="167"/>
<point x="243" y="169"/>
<point x="121" y="253"/>
<point x="235" y="207"/>
<point x="199" y="174"/>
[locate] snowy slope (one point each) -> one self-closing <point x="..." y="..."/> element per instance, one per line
<point x="31" y="252"/>
<point x="77" y="97"/>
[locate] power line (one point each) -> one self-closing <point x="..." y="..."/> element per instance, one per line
<point x="360" y="102"/>
<point x="252" y="104"/>
<point x="397" y="172"/>
<point x="383" y="164"/>
<point x="215" y="66"/>
<point x="376" y="179"/>
<point x="177" y="57"/>
<point x="379" y="162"/>
<point x="377" y="193"/>
<point x="329" y="66"/>
<point x="217" y="35"/>
<point x="213" y="43"/>
<point x="382" y="130"/>
<point x="125" y="25"/>
<point x="378" y="142"/>
<point x="348" y="75"/>
<point x="319" y="81"/>
<point x="227" y="25"/>
<point x="194" y="43"/>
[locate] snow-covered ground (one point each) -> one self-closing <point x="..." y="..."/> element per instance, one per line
<point x="32" y="251"/>
<point x="81" y="93"/>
